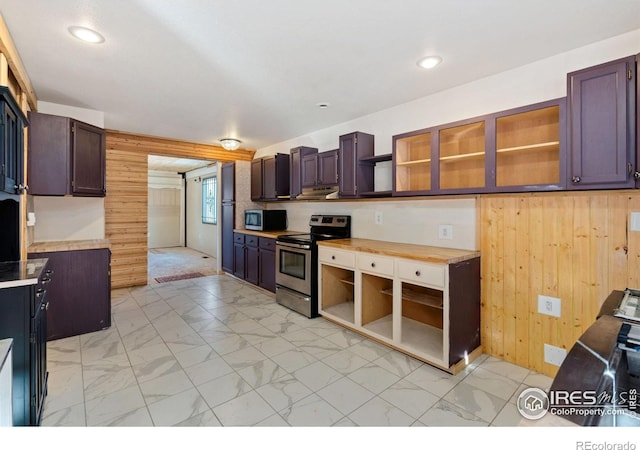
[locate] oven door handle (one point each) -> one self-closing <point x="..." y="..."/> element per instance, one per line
<point x="291" y="245"/>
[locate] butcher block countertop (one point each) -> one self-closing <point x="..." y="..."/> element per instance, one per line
<point x="268" y="234"/>
<point x="63" y="246"/>
<point x="409" y="251"/>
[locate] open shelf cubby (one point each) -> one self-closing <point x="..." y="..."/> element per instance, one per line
<point x="337" y="292"/>
<point x="422" y="319"/>
<point x="377" y="307"/>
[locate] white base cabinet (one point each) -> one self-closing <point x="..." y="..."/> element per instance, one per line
<point x="427" y="309"/>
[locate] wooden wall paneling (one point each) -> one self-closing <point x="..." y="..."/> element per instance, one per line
<point x="618" y="264"/>
<point x="522" y="288"/>
<point x="8" y="49"/>
<point x="497" y="278"/>
<point x="550" y="227"/>
<point x="510" y="260"/>
<point x="151" y="145"/>
<point x="536" y="266"/>
<point x="582" y="258"/>
<point x="565" y="275"/>
<point x="126" y="216"/>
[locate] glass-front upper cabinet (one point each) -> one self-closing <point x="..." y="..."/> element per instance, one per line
<point x="412" y="163"/>
<point x="528" y="143"/>
<point x="462" y="156"/>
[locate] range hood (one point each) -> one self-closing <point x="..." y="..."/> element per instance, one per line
<point x="318" y="193"/>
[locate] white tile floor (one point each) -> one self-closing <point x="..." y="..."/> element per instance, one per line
<point x="215" y="351"/>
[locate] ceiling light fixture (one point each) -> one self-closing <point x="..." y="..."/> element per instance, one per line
<point x="429" y="62"/>
<point x="230" y="143"/>
<point x="86" y="35"/>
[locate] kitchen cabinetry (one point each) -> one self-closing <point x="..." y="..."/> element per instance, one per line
<point x="23" y="317"/>
<point x="529" y="151"/>
<point x="320" y="169"/>
<point x="12" y="142"/>
<point x="423" y="301"/>
<point x="515" y="150"/>
<point x="270" y="177"/>
<point x="79" y="293"/>
<point x="602" y="125"/>
<point x="66" y="157"/>
<point x="298" y="177"/>
<point x="227" y="213"/>
<point x="254" y="260"/>
<point x="245" y="257"/>
<point x="267" y="264"/>
<point x="354" y="176"/>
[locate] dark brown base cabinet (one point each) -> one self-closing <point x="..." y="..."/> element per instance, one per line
<point x="23" y="317"/>
<point x="227" y="213"/>
<point x="254" y="260"/>
<point x="79" y="293"/>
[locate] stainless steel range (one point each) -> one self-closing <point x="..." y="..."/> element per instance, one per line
<point x="297" y="262"/>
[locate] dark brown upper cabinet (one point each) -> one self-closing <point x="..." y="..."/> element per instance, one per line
<point x="13" y="122"/>
<point x="270" y="177"/>
<point x="328" y="168"/>
<point x="66" y="157"/>
<point x="354" y="176"/>
<point x="602" y="126"/>
<point x="296" y="176"/>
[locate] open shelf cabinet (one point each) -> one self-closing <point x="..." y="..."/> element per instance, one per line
<point x="338" y="292"/>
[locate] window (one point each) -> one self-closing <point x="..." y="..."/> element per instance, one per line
<point x="209" y="194"/>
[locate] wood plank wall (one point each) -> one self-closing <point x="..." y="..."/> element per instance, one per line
<point x="126" y="202"/>
<point x="126" y="217"/>
<point x="575" y="246"/>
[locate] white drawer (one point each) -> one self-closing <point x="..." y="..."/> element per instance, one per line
<point x="424" y="273"/>
<point x="334" y="256"/>
<point x="375" y="264"/>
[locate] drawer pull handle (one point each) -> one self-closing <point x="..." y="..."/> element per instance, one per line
<point x="333" y="257"/>
<point x="40" y="293"/>
<point x="373" y="264"/>
<point x="46" y="280"/>
<point x="417" y="273"/>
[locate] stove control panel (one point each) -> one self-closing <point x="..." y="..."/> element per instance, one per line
<point x="329" y="221"/>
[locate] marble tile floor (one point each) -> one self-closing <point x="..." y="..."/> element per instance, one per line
<point x="215" y="351"/>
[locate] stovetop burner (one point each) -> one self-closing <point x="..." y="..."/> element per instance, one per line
<point x="323" y="227"/>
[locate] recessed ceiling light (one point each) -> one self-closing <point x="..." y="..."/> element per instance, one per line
<point x="323" y="105"/>
<point x="86" y="35"/>
<point x="429" y="62"/>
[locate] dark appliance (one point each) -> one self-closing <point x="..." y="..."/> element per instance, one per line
<point x="10" y="226"/>
<point x="297" y="262"/>
<point x="265" y="219"/>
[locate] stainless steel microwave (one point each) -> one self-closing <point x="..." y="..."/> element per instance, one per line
<point x="265" y="219"/>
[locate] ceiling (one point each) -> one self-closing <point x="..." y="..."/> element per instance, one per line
<point x="178" y="165"/>
<point x="200" y="70"/>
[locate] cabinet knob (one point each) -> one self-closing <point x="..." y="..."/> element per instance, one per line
<point x="333" y="257"/>
<point x="373" y="264"/>
<point x="417" y="273"/>
<point x="575" y="179"/>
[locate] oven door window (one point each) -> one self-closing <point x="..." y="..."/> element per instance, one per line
<point x="292" y="264"/>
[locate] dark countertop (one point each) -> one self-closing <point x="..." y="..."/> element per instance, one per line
<point x="21" y="273"/>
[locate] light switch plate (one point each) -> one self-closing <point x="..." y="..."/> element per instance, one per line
<point x="445" y="232"/>
<point x="378" y="217"/>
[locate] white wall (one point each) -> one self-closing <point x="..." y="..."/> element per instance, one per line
<point x="417" y="221"/>
<point x="166" y="210"/>
<point x="69" y="218"/>
<point x="408" y="221"/>
<point x="200" y="236"/>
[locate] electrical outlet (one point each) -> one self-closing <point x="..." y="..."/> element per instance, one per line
<point x="550" y="306"/>
<point x="378" y="217"/>
<point x="635" y="221"/>
<point x="554" y="355"/>
<point x="445" y="232"/>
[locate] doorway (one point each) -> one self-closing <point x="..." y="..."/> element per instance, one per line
<point x="179" y="245"/>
